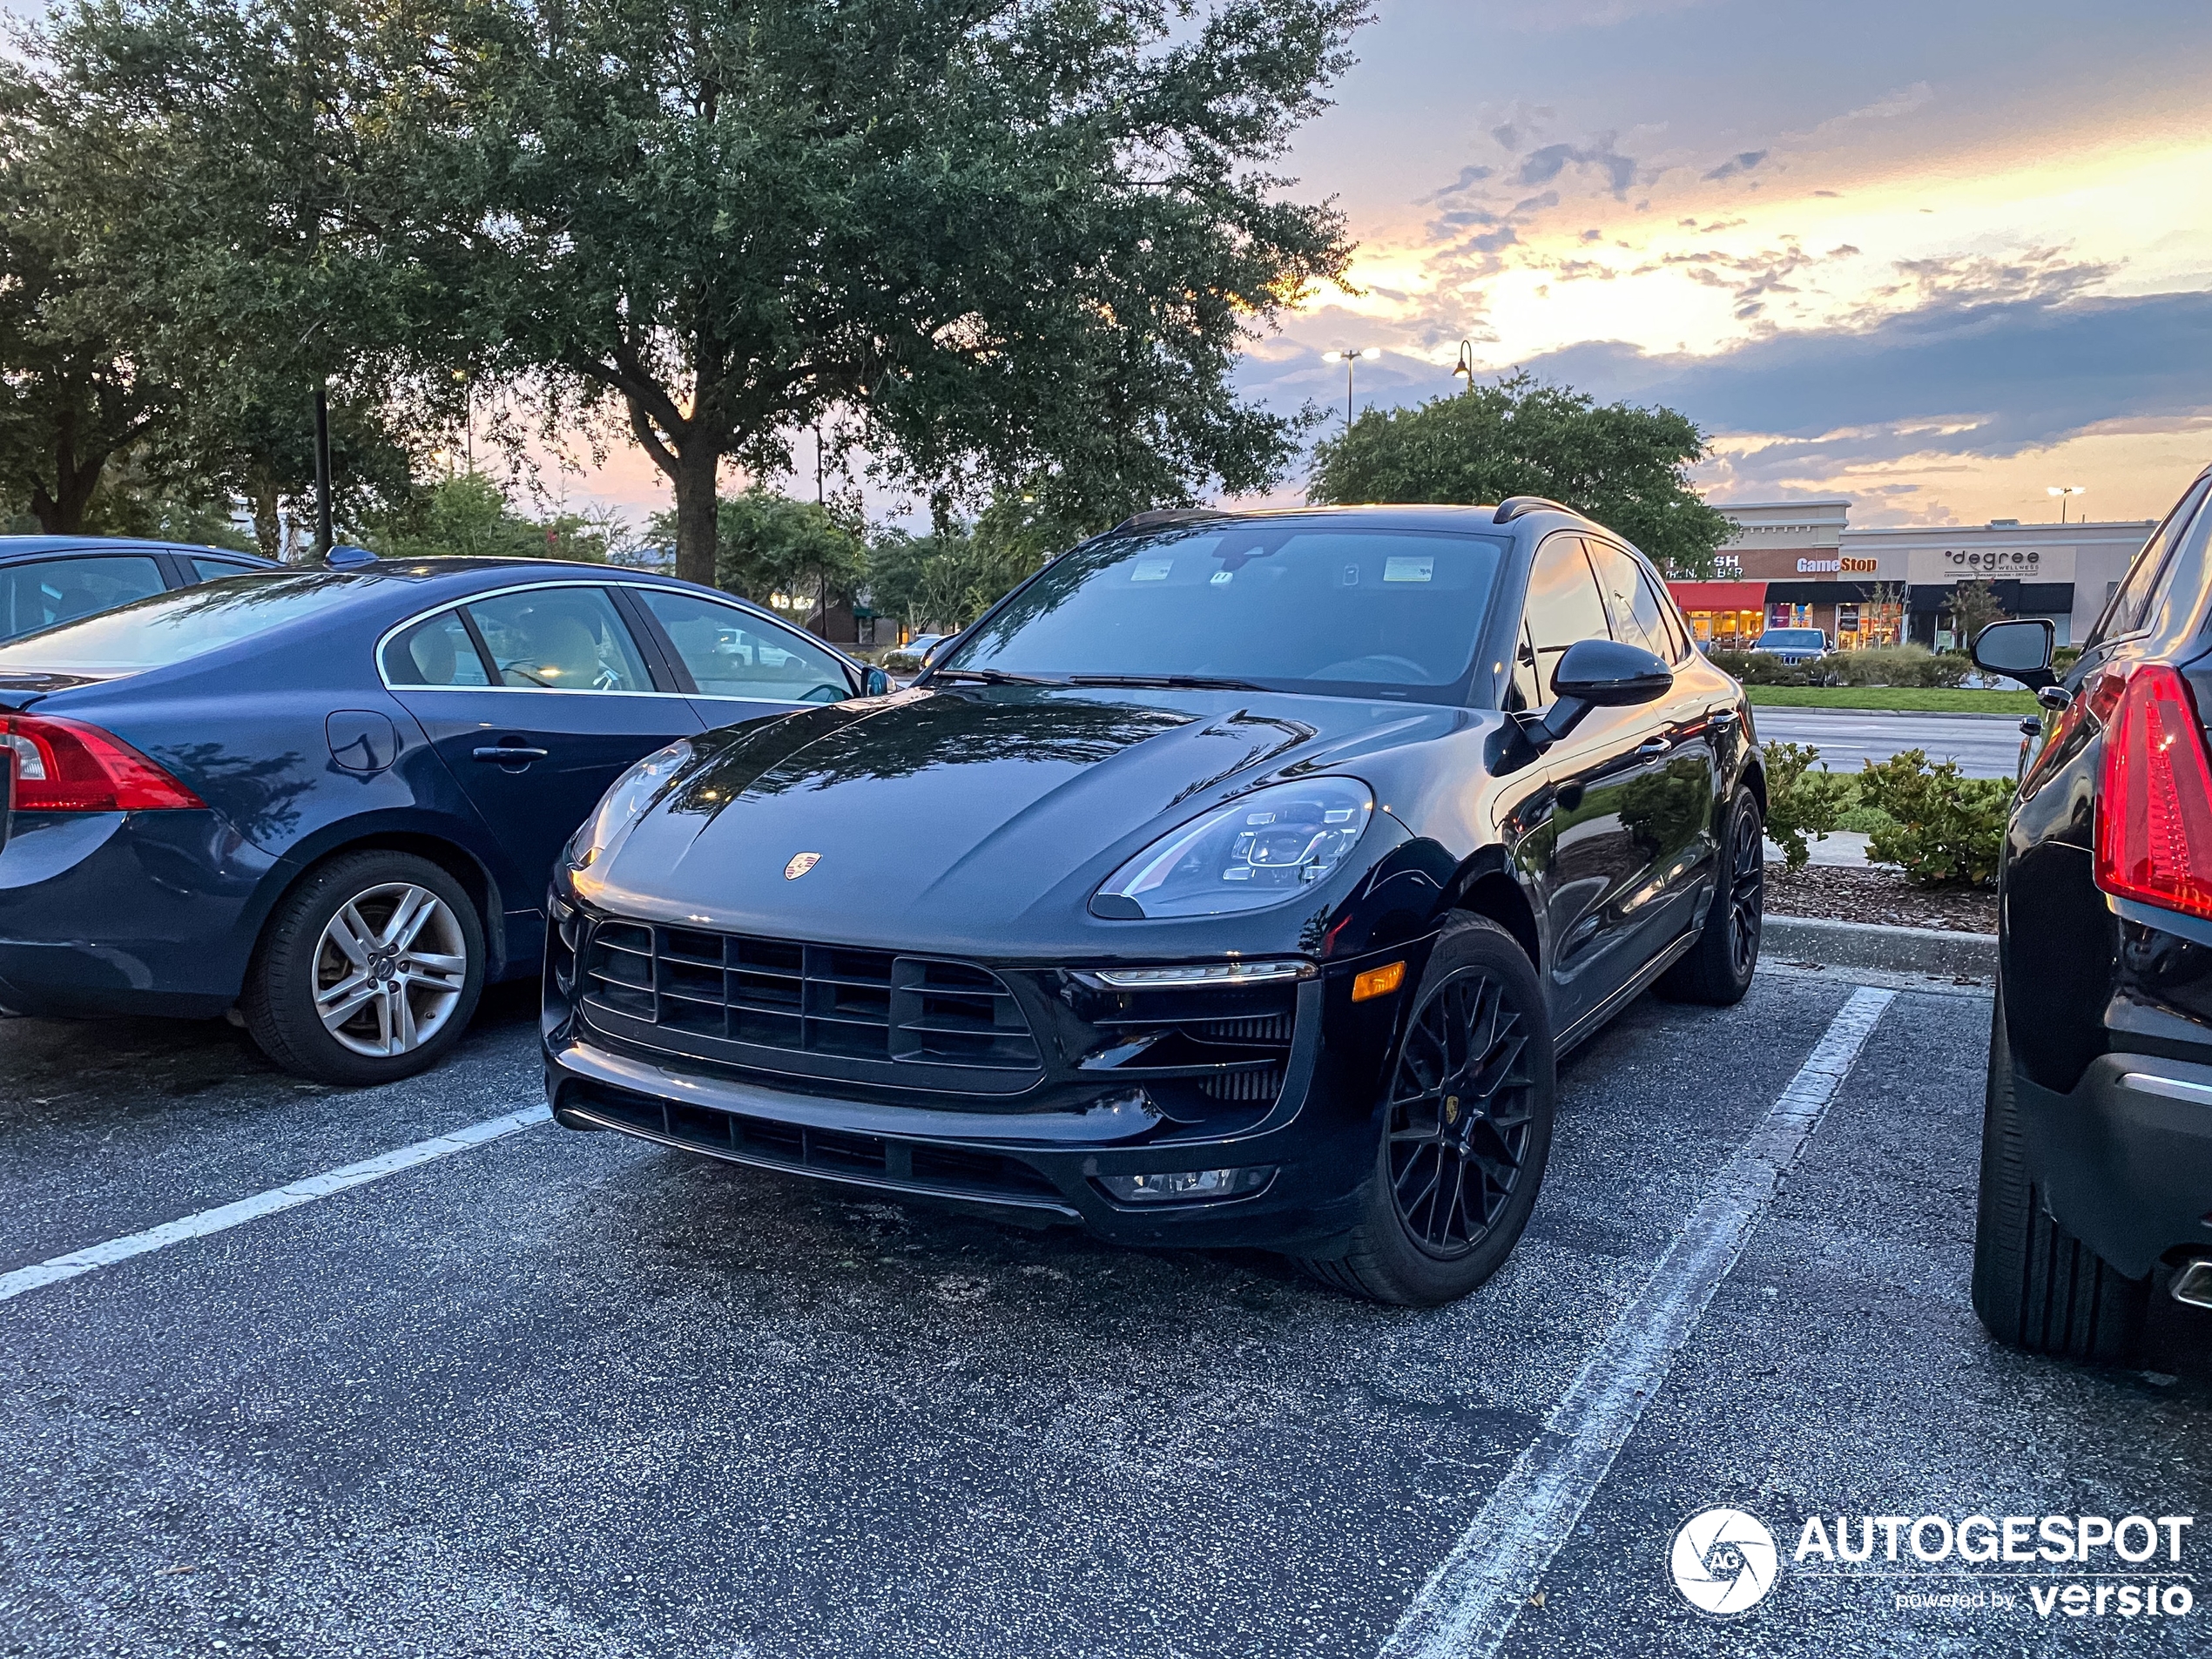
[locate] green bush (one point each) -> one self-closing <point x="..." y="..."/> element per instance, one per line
<point x="1944" y="826"/>
<point x="1748" y="668"/>
<point x="1800" y="802"/>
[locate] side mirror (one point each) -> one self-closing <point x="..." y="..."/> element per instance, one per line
<point x="2019" y="651"/>
<point x="875" y="683"/>
<point x="1599" y="674"/>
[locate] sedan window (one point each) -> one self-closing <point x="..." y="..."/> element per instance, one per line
<point x="215" y="570"/>
<point x="560" y="639"/>
<point x="47" y="591"/>
<point x="732" y="654"/>
<point x="436" y="651"/>
<point x="167" y="628"/>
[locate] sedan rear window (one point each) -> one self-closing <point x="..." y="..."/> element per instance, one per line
<point x="171" y="627"/>
<point x="1288" y="604"/>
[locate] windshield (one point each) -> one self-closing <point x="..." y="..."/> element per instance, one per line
<point x="170" y="627"/>
<point x="1793" y="639"/>
<point x="1283" y="604"/>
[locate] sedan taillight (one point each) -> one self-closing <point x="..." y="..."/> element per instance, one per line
<point x="68" y="767"/>
<point x="2154" y="800"/>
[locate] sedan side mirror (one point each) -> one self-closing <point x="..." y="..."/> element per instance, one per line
<point x="1599" y="674"/>
<point x="2020" y="650"/>
<point x="875" y="683"/>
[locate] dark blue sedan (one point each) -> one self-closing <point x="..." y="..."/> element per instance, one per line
<point x="49" y="579"/>
<point x="330" y="799"/>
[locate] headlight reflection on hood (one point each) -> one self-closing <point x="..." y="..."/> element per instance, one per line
<point x="623" y="804"/>
<point x="1262" y="849"/>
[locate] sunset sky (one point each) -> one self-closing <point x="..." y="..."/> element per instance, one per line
<point x="1930" y="254"/>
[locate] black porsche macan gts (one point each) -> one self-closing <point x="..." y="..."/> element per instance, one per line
<point x="1236" y="881"/>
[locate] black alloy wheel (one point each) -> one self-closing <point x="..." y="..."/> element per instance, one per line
<point x="1460" y="1114"/>
<point x="1746" y="886"/>
<point x="1462" y="1127"/>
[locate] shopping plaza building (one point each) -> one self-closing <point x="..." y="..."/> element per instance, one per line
<point x="1801" y="564"/>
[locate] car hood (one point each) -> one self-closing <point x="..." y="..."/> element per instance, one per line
<point x="957" y="816"/>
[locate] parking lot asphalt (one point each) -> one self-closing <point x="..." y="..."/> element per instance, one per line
<point x="568" y="1393"/>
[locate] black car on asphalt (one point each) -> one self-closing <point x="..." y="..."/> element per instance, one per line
<point x="2096" y="1158"/>
<point x="1236" y="881"/>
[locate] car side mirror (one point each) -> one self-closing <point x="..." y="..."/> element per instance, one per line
<point x="1599" y="674"/>
<point x="875" y="683"/>
<point x="2020" y="650"/>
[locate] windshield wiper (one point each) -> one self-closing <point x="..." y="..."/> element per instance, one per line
<point x="988" y="677"/>
<point x="1167" y="682"/>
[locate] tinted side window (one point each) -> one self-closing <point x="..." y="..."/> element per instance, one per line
<point x="435" y="651"/>
<point x="1628" y="601"/>
<point x="560" y="639"/>
<point x="732" y="654"/>
<point x="47" y="591"/>
<point x="211" y="570"/>
<point x="1662" y="606"/>
<point x="2130" y="610"/>
<point x="1563" y="604"/>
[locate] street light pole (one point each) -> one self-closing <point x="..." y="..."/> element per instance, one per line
<point x="322" y="468"/>
<point x="1350" y="357"/>
<point x="2062" y="491"/>
<point x="1465" y="365"/>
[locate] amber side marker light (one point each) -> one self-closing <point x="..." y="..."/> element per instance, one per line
<point x="1378" y="982"/>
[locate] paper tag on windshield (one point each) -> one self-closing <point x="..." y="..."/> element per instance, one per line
<point x="1152" y="570"/>
<point x="1409" y="569"/>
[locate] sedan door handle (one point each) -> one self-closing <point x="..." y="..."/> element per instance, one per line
<point x="1652" y="747"/>
<point x="1722" y="719"/>
<point x="497" y="752"/>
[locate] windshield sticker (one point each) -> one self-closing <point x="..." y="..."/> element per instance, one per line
<point x="1409" y="569"/>
<point x="1152" y="570"/>
<point x="1220" y="577"/>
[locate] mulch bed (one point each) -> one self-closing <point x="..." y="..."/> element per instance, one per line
<point x="1830" y="894"/>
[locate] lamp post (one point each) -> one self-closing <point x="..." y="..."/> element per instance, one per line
<point x="2062" y="491"/>
<point x="1350" y="357"/>
<point x="1465" y="365"/>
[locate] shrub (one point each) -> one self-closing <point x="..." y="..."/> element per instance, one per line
<point x="1747" y="668"/>
<point x="1800" y="801"/>
<point x="1944" y="827"/>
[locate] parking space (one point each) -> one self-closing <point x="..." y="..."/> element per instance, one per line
<point x="570" y="1393"/>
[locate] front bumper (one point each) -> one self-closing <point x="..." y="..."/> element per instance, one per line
<point x="2125" y="1157"/>
<point x="108" y="914"/>
<point x="1033" y="1160"/>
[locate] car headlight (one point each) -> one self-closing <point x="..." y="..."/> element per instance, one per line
<point x="1261" y="849"/>
<point x="623" y="804"/>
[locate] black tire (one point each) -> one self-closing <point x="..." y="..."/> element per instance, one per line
<point x="1402" y="1252"/>
<point x="1717" y="969"/>
<point x="2036" y="1286"/>
<point x="299" y="960"/>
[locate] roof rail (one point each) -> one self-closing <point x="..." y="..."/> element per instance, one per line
<point x="1514" y="506"/>
<point x="1161" y="517"/>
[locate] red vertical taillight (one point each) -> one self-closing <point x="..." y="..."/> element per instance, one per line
<point x="2155" y="800"/>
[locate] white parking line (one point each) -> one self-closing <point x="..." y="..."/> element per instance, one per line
<point x="266" y="1203"/>
<point x="1470" y="1602"/>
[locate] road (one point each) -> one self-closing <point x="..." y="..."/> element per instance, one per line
<point x="571" y="1394"/>
<point x="1985" y="746"/>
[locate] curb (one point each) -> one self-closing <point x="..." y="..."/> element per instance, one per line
<point x="1864" y="944"/>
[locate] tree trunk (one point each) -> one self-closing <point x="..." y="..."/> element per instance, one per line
<point x="696" y="531"/>
<point x="61" y="512"/>
<point x="268" y="527"/>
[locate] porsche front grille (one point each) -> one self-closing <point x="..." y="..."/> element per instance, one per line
<point x="748" y="996"/>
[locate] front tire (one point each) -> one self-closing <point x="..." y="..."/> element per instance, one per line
<point x="2036" y="1286"/>
<point x="369" y="972"/>
<point x="1465" y="1130"/>
<point x="1717" y="969"/>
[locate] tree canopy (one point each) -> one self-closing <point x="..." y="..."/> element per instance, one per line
<point x="1625" y="467"/>
<point x="1013" y="240"/>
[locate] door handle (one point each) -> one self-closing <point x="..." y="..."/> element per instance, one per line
<point x="1651" y="748"/>
<point x="1722" y="720"/>
<point x="509" y="752"/>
